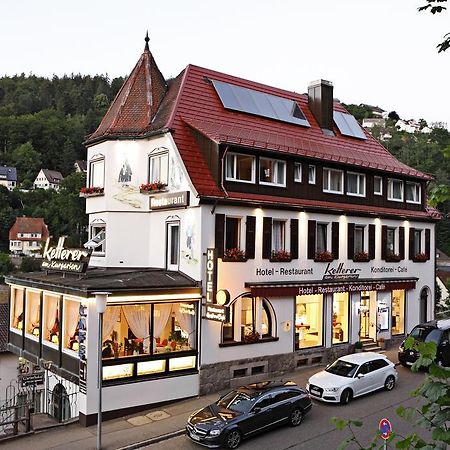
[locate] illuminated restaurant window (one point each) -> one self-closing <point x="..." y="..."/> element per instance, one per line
<point x="340" y="317"/>
<point x="308" y="321"/>
<point x="398" y="311"/>
<point x="71" y="324"/>
<point x="17" y="308"/>
<point x="33" y="313"/>
<point x="135" y="328"/>
<point x="51" y="317"/>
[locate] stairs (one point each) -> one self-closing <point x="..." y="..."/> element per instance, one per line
<point x="369" y="345"/>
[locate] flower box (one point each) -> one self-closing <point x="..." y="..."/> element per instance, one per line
<point x="92" y="191"/>
<point x="393" y="257"/>
<point x="324" y="257"/>
<point x="361" y="257"/>
<point x="234" y="255"/>
<point x="251" y="337"/>
<point x="420" y="257"/>
<point x="151" y="188"/>
<point x="280" y="256"/>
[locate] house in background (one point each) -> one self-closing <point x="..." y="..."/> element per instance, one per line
<point x="80" y="166"/>
<point x="26" y="235"/>
<point x="8" y="177"/>
<point x="48" y="179"/>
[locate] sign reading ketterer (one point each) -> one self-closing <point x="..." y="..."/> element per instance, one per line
<point x="63" y="259"/>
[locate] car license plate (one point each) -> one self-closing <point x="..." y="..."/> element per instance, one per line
<point x="315" y="392"/>
<point x="195" y="436"/>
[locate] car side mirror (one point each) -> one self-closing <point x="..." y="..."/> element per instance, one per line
<point x="360" y="375"/>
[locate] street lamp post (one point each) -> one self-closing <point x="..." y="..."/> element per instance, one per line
<point x="100" y="303"/>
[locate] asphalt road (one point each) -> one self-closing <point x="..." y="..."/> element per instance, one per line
<point x="317" y="432"/>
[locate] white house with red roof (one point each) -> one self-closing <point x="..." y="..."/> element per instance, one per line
<point x="241" y="231"/>
<point x="27" y="236"/>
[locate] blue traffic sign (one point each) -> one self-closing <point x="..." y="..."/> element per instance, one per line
<point x="385" y="428"/>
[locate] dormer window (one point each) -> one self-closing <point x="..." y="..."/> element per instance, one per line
<point x="395" y="190"/>
<point x="239" y="167"/>
<point x="413" y="191"/>
<point x="272" y="171"/>
<point x="158" y="164"/>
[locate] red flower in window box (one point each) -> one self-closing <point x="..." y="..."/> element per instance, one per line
<point x="324" y="257"/>
<point x="251" y="337"/>
<point x="393" y="257"/>
<point x="421" y="257"/>
<point x="280" y="256"/>
<point x="361" y="257"/>
<point x="156" y="186"/>
<point x="234" y="254"/>
<point x="91" y="191"/>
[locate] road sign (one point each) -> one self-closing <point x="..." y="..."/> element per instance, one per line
<point x="385" y="428"/>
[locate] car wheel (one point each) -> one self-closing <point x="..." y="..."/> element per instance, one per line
<point x="296" y="417"/>
<point x="389" y="384"/>
<point x="346" y="396"/>
<point x="233" y="439"/>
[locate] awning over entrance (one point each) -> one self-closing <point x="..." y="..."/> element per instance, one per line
<point x="286" y="289"/>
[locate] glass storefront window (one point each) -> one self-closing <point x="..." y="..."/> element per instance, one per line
<point x="17" y="309"/>
<point x="71" y="324"/>
<point x="118" y="371"/>
<point x="134" y="329"/>
<point x="340" y="317"/>
<point x="398" y="311"/>
<point x="151" y="367"/>
<point x="33" y="313"/>
<point x="186" y="362"/>
<point x="308" y="321"/>
<point x="51" y="327"/>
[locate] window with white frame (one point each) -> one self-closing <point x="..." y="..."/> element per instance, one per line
<point x="232" y="234"/>
<point x="278" y="235"/>
<point x="321" y="237"/>
<point x="239" y="167"/>
<point x="173" y="245"/>
<point x="97" y="242"/>
<point x="311" y="174"/>
<point x="390" y="241"/>
<point x="378" y="185"/>
<point x="158" y="166"/>
<point x="358" y="239"/>
<point x="333" y="181"/>
<point x="298" y="172"/>
<point x="272" y="171"/>
<point x="417" y="241"/>
<point x="356" y="184"/>
<point x="413" y="191"/>
<point x="97" y="171"/>
<point x="395" y="190"/>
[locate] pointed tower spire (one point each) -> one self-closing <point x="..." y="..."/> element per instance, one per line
<point x="146" y="42"/>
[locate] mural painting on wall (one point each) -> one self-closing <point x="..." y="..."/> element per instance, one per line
<point x="188" y="252"/>
<point x="128" y="194"/>
<point x="176" y="176"/>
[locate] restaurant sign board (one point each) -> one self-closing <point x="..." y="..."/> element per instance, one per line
<point x="214" y="312"/>
<point x="169" y="200"/>
<point x="63" y="259"/>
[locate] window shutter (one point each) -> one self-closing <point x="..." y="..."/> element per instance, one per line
<point x="371" y="241"/>
<point x="335" y="239"/>
<point x="220" y="234"/>
<point x="311" y="239"/>
<point x="350" y="240"/>
<point x="427" y="242"/>
<point x="294" y="238"/>
<point x="383" y="241"/>
<point x="267" y="238"/>
<point x="401" y="242"/>
<point x="250" y="237"/>
<point x="411" y="243"/>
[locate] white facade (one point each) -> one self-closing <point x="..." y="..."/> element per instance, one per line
<point x="42" y="182"/>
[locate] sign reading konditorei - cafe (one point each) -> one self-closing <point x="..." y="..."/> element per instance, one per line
<point x="64" y="259"/>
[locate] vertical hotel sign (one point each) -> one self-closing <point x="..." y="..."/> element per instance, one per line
<point x="213" y="311"/>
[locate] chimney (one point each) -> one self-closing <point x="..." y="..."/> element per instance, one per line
<point x="320" y="100"/>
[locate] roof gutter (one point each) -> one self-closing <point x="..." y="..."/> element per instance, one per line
<point x="223" y="171"/>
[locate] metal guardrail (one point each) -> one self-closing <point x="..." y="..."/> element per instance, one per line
<point x="15" y="416"/>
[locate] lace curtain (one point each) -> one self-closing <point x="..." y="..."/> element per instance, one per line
<point x="138" y="318"/>
<point x="33" y="312"/>
<point x="161" y="316"/>
<point x="110" y="317"/>
<point x="18" y="306"/>
<point x="72" y="315"/>
<point x="187" y="323"/>
<point x="51" y="308"/>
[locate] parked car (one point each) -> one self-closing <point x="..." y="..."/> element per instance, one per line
<point x="248" y="410"/>
<point x="351" y="376"/>
<point x="437" y="331"/>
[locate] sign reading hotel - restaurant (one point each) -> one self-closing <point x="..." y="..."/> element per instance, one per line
<point x="169" y="200"/>
<point x="64" y="259"/>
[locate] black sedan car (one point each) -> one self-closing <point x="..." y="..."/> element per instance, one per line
<point x="246" y="411"/>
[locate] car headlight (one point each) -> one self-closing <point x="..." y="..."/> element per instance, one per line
<point x="215" y="432"/>
<point x="331" y="389"/>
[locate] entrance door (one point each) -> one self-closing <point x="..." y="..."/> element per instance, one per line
<point x="60" y="403"/>
<point x="423" y="305"/>
<point x="364" y="315"/>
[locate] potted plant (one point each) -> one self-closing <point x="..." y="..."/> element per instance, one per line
<point x="280" y="256"/>
<point x="358" y="347"/>
<point x="361" y="257"/>
<point x="149" y="188"/>
<point x="420" y="257"/>
<point x="393" y="257"/>
<point x="253" y="336"/>
<point x="234" y="254"/>
<point x="324" y="256"/>
<point x="92" y="191"/>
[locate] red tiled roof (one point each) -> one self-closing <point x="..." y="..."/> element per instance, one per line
<point x="28" y="225"/>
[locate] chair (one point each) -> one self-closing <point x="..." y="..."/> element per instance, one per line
<point x="173" y="344"/>
<point x="164" y="342"/>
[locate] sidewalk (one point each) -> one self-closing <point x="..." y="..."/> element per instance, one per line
<point x="144" y="428"/>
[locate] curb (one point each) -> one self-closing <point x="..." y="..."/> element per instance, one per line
<point x="155" y="440"/>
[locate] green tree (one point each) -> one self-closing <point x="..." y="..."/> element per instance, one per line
<point x="435" y="7"/>
<point x="6" y="266"/>
<point x="27" y="161"/>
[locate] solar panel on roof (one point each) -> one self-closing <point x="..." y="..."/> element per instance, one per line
<point x="259" y="103"/>
<point x="348" y="125"/>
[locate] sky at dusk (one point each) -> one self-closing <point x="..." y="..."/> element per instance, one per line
<point x="380" y="52"/>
